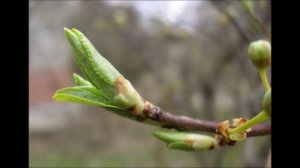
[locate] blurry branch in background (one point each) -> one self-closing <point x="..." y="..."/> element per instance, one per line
<point x="222" y="7"/>
<point x="107" y="88"/>
<point x="248" y="9"/>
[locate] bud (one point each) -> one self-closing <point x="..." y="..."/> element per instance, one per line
<point x="226" y="127"/>
<point x="103" y="75"/>
<point x="127" y="97"/>
<point x="92" y="64"/>
<point x="260" y="53"/>
<point x="187" y="141"/>
<point x="267" y="102"/>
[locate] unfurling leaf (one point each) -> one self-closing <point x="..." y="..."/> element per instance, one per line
<point x="186" y="141"/>
<point x="82" y="94"/>
<point x="94" y="66"/>
<point x="91" y="96"/>
<point x="102" y="75"/>
<point x="180" y="146"/>
<point x="79" y="81"/>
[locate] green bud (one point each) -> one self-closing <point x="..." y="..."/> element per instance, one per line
<point x="169" y="136"/>
<point x="260" y="53"/>
<point x="127" y="97"/>
<point x="102" y="75"/>
<point x="241" y="135"/>
<point x="226" y="127"/>
<point x="94" y="66"/>
<point x="202" y="142"/>
<point x="267" y="102"/>
<point x="186" y="141"/>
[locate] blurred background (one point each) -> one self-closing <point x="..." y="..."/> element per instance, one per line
<point x="189" y="57"/>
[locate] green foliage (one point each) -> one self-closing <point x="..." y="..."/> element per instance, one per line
<point x="170" y="137"/>
<point x="186" y="141"/>
<point x="79" y="81"/>
<point x="180" y="146"/>
<point x="94" y="66"/>
<point x="105" y="87"/>
<point x="84" y="95"/>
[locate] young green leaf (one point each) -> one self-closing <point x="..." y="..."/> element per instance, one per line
<point x="169" y="136"/>
<point x="102" y="74"/>
<point x="91" y="96"/>
<point x="105" y="86"/>
<point x="79" y="81"/>
<point x="180" y="146"/>
<point x="93" y="65"/>
<point x="82" y="94"/>
<point x="186" y="141"/>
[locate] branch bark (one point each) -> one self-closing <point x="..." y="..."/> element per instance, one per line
<point x="183" y="123"/>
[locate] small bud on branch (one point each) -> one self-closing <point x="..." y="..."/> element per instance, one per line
<point x="260" y="54"/>
<point x="186" y="141"/>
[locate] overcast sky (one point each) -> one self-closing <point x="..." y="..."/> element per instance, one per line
<point x="179" y="13"/>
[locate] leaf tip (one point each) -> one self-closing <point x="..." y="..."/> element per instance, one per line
<point x="57" y="95"/>
<point x="75" y="75"/>
<point x="54" y="97"/>
<point x="165" y="136"/>
<point x="77" y="32"/>
<point x="67" y="31"/>
<point x="70" y="35"/>
<point x="155" y="133"/>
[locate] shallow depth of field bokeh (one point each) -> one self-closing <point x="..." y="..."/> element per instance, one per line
<point x="188" y="57"/>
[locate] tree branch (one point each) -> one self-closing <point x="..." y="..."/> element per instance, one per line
<point x="183" y="123"/>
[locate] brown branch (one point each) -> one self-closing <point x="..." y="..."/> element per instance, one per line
<point x="184" y="123"/>
<point x="262" y="129"/>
